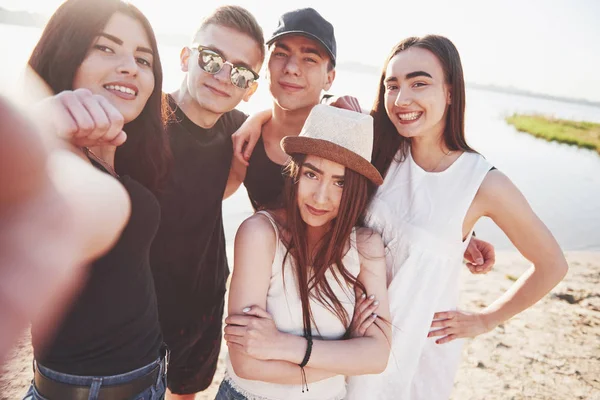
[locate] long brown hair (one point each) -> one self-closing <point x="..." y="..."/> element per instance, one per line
<point x="387" y="140"/>
<point x="63" y="46"/>
<point x="311" y="269"/>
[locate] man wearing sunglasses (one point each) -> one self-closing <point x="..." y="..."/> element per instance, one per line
<point x="188" y="255"/>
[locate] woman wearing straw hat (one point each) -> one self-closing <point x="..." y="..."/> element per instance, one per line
<point x="297" y="271"/>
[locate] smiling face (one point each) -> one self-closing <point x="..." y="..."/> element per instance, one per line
<point x="298" y="72"/>
<point x="118" y="66"/>
<point x="416" y="93"/>
<point x="320" y="188"/>
<point x="215" y="92"/>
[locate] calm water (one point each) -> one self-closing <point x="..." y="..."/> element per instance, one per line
<point x="562" y="183"/>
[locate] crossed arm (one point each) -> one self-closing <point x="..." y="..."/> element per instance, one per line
<point x="258" y="351"/>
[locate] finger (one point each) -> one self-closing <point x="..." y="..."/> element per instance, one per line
<point x="441" y="323"/>
<point x="366" y="303"/>
<point x="119" y="140"/>
<point x="116" y="119"/>
<point x="366" y="324"/>
<point x="85" y="123"/>
<point x="234" y="339"/>
<point x="235" y="346"/>
<point x="441" y="332"/>
<point x="257" y="312"/>
<point x="476" y="256"/>
<point x="443" y="315"/>
<point x="235" y="330"/>
<point x="98" y="115"/>
<point x="446" y="339"/>
<point x="250" y="147"/>
<point x="240" y="320"/>
<point x="370" y="310"/>
<point x="238" y="149"/>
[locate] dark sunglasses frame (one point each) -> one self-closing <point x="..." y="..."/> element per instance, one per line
<point x="234" y="68"/>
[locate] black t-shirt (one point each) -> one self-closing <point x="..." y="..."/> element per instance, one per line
<point x="113" y="326"/>
<point x="264" y="179"/>
<point x="188" y="255"/>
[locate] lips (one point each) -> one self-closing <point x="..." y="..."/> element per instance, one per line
<point x="315" y="211"/>
<point x="292" y="87"/>
<point x="217" y="91"/>
<point x="409" y="117"/>
<point x="126" y="91"/>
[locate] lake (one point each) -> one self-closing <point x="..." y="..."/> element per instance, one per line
<point x="561" y="182"/>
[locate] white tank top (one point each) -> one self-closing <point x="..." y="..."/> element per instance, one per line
<point x="283" y="303"/>
<point x="420" y="217"/>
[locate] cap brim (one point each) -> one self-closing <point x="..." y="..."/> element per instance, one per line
<point x="333" y="152"/>
<point x="306" y="34"/>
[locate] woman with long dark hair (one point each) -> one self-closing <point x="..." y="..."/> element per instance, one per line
<point x="297" y="271"/>
<point x="436" y="188"/>
<point x="101" y="60"/>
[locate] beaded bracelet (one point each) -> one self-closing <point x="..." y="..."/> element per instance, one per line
<point x="305" y="361"/>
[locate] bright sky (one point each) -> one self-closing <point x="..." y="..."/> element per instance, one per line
<point x="545" y="46"/>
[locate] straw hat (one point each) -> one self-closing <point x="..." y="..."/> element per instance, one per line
<point x="341" y="136"/>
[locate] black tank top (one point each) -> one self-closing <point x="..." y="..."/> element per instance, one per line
<point x="264" y="180"/>
<point x="113" y="326"/>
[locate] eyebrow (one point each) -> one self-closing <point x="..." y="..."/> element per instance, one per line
<point x="303" y="49"/>
<point x="418" y="73"/>
<point x="120" y="43"/>
<point x="309" y="165"/>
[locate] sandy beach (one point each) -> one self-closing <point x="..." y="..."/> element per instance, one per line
<point x="551" y="351"/>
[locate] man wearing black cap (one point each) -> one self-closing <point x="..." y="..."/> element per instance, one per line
<point x="301" y="65"/>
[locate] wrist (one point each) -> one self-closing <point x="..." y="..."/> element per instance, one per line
<point x="490" y="319"/>
<point x="294" y="348"/>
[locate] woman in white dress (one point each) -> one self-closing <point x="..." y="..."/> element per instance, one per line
<point x="435" y="189"/>
<point x="296" y="271"/>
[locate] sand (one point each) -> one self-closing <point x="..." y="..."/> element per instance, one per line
<point x="551" y="351"/>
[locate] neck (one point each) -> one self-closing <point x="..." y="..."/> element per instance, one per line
<point x="197" y="114"/>
<point x="427" y="151"/>
<point x="286" y="122"/>
<point x="314" y="235"/>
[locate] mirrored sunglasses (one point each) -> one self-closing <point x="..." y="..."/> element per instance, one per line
<point x="212" y="62"/>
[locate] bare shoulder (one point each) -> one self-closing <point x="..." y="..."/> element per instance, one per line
<point x="370" y="250"/>
<point x="498" y="192"/>
<point x="256" y="228"/>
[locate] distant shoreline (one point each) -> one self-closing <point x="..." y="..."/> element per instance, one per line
<point x="581" y="134"/>
<point x="23" y="18"/>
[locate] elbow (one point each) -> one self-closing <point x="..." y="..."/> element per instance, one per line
<point x="561" y="270"/>
<point x="243" y="371"/>
<point x="379" y="360"/>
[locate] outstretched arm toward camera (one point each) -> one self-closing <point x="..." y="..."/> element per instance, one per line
<point x="500" y="199"/>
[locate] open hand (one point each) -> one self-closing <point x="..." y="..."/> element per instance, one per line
<point x="458" y="324"/>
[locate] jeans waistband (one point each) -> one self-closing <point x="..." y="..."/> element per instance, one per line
<point x="80" y="380"/>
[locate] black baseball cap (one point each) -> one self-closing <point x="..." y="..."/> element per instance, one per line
<point x="307" y="22"/>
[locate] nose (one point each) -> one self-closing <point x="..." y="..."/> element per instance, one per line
<point x="224" y="75"/>
<point x="128" y="65"/>
<point x="403" y="98"/>
<point x="291" y="66"/>
<point x="321" y="195"/>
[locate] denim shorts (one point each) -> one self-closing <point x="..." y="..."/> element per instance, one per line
<point x="154" y="392"/>
<point x="227" y="392"/>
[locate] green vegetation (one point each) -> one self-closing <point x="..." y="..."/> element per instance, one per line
<point x="582" y="134"/>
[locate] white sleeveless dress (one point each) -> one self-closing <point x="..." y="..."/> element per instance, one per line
<point x="420" y="217"/>
<point x="283" y="303"/>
